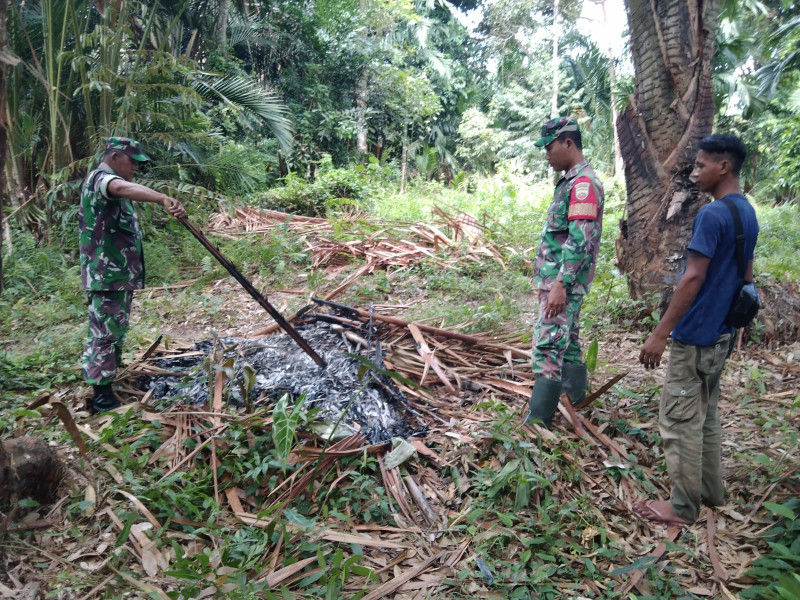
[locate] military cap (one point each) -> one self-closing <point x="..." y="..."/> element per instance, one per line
<point x="555" y="127"/>
<point x="126" y="146"/>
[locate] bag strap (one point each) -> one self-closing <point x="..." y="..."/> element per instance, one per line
<point x="737" y="223"/>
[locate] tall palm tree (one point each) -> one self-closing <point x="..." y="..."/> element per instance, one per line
<point x="672" y="43"/>
<point x="127" y="61"/>
<point x="3" y="126"/>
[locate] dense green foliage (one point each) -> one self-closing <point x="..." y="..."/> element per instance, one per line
<point x="778" y="570"/>
<point x="294" y="89"/>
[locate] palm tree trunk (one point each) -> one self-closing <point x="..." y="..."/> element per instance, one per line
<point x="361" y="113"/>
<point x="3" y="126"/>
<point x="672" y="43"/>
<point x="404" y="160"/>
<point x="221" y="27"/>
<point x="612" y="81"/>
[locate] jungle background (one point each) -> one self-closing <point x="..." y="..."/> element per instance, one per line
<point x="372" y="114"/>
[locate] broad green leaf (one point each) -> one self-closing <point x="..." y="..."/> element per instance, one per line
<point x="505" y="519"/>
<point x="779" y="509"/>
<point x="284" y="427"/>
<point x="673" y="547"/>
<point x="506" y="471"/>
<point x="790" y="583"/>
<point x="763" y="459"/>
<point x="22" y="412"/>
<point x="591" y="355"/>
<point x="282" y="432"/>
<point x="249" y="376"/>
<point x="646" y="562"/>
<point x="296" y="518"/>
<point x="523" y="495"/>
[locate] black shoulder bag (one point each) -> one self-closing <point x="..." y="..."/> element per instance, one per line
<point x="746" y="302"/>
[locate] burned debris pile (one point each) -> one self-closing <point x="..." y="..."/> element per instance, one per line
<point x="261" y="371"/>
<point x="455" y="366"/>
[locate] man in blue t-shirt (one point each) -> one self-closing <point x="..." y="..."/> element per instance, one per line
<point x="688" y="416"/>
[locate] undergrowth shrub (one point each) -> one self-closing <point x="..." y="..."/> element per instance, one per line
<point x="778" y="570"/>
<point x="332" y="189"/>
<point x="776" y="254"/>
<point x="278" y="251"/>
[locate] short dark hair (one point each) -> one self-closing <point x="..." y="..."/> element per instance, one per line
<point x="727" y="146"/>
<point x="575" y="136"/>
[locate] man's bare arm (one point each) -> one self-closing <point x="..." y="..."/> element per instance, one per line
<point x="685" y="293"/>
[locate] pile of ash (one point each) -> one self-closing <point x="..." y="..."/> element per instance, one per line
<point x="379" y="409"/>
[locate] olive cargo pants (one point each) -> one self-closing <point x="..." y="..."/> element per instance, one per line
<point x="690" y="427"/>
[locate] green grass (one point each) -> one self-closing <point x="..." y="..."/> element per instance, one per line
<point x="506" y="203"/>
<point x="777" y="253"/>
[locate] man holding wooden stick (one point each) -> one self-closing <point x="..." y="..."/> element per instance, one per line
<point x="112" y="260"/>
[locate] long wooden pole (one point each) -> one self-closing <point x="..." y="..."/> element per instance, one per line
<point x="257" y="296"/>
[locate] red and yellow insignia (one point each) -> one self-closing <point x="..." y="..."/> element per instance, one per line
<point x="582" y="200"/>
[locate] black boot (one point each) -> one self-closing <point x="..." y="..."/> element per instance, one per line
<point x="544" y="400"/>
<point x="574" y="380"/>
<point x="104" y="399"/>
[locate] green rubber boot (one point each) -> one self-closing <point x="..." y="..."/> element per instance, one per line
<point x="104" y="399"/>
<point x="574" y="380"/>
<point x="544" y="400"/>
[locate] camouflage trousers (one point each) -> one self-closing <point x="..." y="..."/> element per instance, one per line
<point x="556" y="339"/>
<point x="688" y="420"/>
<point x="109" y="316"/>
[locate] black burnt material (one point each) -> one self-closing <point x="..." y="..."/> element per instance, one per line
<point x="379" y="411"/>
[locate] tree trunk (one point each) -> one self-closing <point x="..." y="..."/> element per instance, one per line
<point x="3" y="127"/>
<point x="361" y="113"/>
<point x="221" y="27"/>
<point x="362" y="93"/>
<point x="612" y="82"/>
<point x="671" y="109"/>
<point x="556" y="36"/>
<point x="403" y="160"/>
<point x="28" y="469"/>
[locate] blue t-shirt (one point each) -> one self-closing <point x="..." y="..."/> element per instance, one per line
<point x="714" y="236"/>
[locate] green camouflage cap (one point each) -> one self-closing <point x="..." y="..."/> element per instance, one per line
<point x="126" y="146"/>
<point x="555" y="127"/>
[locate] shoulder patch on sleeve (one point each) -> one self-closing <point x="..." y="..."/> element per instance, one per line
<point x="582" y="200"/>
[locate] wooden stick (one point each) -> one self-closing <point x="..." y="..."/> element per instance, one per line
<point x="711" y="528"/>
<point x="329" y="296"/>
<point x="420" y="499"/>
<point x="257" y="296"/>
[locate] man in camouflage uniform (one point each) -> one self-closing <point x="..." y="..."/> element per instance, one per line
<point x="112" y="259"/>
<point x="564" y="270"/>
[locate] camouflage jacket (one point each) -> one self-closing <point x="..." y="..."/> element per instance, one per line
<point x="112" y="257"/>
<point x="571" y="237"/>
